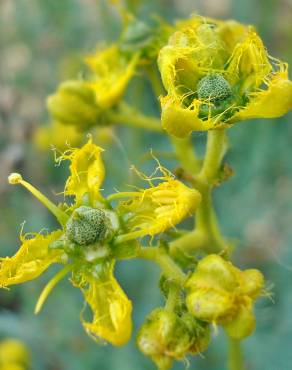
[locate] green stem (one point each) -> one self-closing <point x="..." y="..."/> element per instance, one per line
<point x="172" y="298"/>
<point x="133" y="117"/>
<point x="216" y="149"/>
<point x="235" y="357"/>
<point x="185" y="154"/>
<point x="166" y="263"/>
<point x="188" y="243"/>
<point x="206" y="217"/>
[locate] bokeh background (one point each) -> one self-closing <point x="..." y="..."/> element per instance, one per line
<point x="41" y="44"/>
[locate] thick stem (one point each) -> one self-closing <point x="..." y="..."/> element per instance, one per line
<point x="188" y="243"/>
<point x="185" y="154"/>
<point x="216" y="149"/>
<point x="132" y="117"/>
<point x="166" y="263"/>
<point x="235" y="356"/>
<point x="206" y="216"/>
<point x="172" y="298"/>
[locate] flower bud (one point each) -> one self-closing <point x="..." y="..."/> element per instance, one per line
<point x="252" y="283"/>
<point x="200" y="333"/>
<point x="166" y="336"/>
<point x="209" y="303"/>
<point x="87" y="226"/>
<point x="242" y="325"/>
<point x="220" y="293"/>
<point x="163" y="337"/>
<point x="13" y="353"/>
<point x="74" y="104"/>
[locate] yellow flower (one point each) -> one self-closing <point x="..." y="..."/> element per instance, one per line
<point x="93" y="235"/>
<point x="74" y="104"/>
<point x="220" y="293"/>
<point x="14" y="355"/>
<point x="112" y="71"/>
<point x="159" y="208"/>
<point x="82" y="102"/>
<point x="63" y="136"/>
<point x="57" y="134"/>
<point x="217" y="73"/>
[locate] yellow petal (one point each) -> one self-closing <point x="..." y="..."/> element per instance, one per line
<point x="74" y="103"/>
<point x="270" y="103"/>
<point x="232" y="33"/>
<point x="87" y="172"/>
<point x="58" y="135"/>
<point x="179" y="121"/>
<point x="112" y="73"/>
<point x="249" y="62"/>
<point x="14" y="352"/>
<point x="110" y="307"/>
<point x="243" y="324"/>
<point x="30" y="261"/>
<point x="158" y="208"/>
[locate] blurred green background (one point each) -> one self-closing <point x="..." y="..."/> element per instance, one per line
<point x="41" y="44"/>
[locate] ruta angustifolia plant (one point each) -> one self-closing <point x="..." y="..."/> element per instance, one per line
<point x="213" y="74"/>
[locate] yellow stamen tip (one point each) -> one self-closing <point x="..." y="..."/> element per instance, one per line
<point x="14" y="178"/>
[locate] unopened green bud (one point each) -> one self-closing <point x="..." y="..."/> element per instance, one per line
<point x="164" y="337"/>
<point x="137" y="35"/>
<point x="74" y="104"/>
<point x="213" y="88"/>
<point x="87" y="226"/>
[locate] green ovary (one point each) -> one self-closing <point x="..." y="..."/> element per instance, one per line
<point x="213" y="88"/>
<point x="87" y="226"/>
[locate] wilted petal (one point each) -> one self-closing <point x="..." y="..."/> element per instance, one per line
<point x="112" y="73"/>
<point x="110" y="307"/>
<point x="271" y="103"/>
<point x="180" y="121"/>
<point x="31" y="260"/>
<point x="87" y="172"/>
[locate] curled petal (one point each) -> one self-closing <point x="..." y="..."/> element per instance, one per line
<point x="110" y="307"/>
<point x="180" y="121"/>
<point x="270" y="103"/>
<point x="31" y="260"/>
<point x="58" y="135"/>
<point x="249" y="62"/>
<point x="158" y="208"/>
<point x="112" y="73"/>
<point x="87" y="172"/>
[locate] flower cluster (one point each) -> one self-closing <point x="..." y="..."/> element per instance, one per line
<point x="217" y="73"/>
<point x="93" y="234"/>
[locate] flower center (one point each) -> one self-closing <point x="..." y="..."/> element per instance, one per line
<point x="213" y="88"/>
<point x="87" y="226"/>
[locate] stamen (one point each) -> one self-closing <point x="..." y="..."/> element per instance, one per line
<point x="16" y="178"/>
<point x="50" y="286"/>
